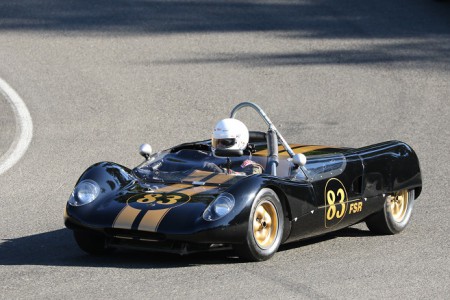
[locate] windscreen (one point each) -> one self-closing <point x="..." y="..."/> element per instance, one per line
<point x="185" y="166"/>
<point x="324" y="166"/>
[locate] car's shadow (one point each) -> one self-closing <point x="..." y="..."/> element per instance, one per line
<point x="346" y="232"/>
<point x="57" y="248"/>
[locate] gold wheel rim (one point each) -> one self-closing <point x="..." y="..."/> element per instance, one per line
<point x="399" y="205"/>
<point x="265" y="224"/>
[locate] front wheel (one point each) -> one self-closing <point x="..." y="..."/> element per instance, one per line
<point x="395" y="215"/>
<point x="265" y="228"/>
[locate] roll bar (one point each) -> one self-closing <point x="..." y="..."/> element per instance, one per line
<point x="266" y="119"/>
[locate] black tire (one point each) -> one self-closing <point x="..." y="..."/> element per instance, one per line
<point x="263" y="241"/>
<point x="91" y="242"/>
<point x="391" y="220"/>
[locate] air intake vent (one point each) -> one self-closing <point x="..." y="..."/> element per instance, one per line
<point x="134" y="234"/>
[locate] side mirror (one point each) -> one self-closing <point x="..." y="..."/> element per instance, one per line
<point x="145" y="150"/>
<point x="299" y="159"/>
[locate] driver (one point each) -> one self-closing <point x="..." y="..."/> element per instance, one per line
<point x="232" y="134"/>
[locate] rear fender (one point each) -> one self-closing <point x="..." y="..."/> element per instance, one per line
<point x="389" y="167"/>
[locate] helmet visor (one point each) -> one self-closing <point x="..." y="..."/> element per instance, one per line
<point x="223" y="143"/>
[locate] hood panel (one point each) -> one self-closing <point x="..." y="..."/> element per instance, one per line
<point x="138" y="204"/>
<point x="169" y="196"/>
<point x="145" y="209"/>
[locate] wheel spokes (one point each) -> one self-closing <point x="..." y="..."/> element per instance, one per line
<point x="256" y="225"/>
<point x="260" y="212"/>
<point x="399" y="205"/>
<point x="265" y="224"/>
<point x="267" y="218"/>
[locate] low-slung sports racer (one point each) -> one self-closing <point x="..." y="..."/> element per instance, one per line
<point x="251" y="191"/>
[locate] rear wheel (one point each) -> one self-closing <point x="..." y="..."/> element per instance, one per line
<point x="395" y="215"/>
<point x="265" y="228"/>
<point x="91" y="242"/>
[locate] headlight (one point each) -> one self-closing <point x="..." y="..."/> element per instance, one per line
<point x="85" y="192"/>
<point x="220" y="207"/>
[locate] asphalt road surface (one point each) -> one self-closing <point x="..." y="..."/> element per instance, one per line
<point x="101" y="77"/>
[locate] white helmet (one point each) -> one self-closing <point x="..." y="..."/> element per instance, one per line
<point x="230" y="134"/>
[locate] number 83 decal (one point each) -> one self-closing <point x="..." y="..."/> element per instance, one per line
<point x="163" y="199"/>
<point x="335" y="202"/>
<point x="155" y="201"/>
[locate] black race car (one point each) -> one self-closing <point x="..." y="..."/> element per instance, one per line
<point x="180" y="199"/>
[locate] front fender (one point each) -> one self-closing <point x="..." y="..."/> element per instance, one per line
<point x="113" y="180"/>
<point x="233" y="227"/>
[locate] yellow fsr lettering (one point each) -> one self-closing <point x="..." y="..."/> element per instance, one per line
<point x="355" y="207"/>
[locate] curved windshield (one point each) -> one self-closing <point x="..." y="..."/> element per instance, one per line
<point x="325" y="166"/>
<point x="187" y="165"/>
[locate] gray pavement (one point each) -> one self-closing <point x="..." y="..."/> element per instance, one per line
<point x="102" y="77"/>
<point x="7" y="125"/>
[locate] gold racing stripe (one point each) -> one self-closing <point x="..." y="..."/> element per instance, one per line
<point x="153" y="218"/>
<point x="220" y="178"/>
<point x="304" y="149"/>
<point x="125" y="218"/>
<point x="197" y="175"/>
<point x="281" y="150"/>
<point x="197" y="190"/>
<point x="128" y="214"/>
<point x="173" y="187"/>
<point x="295" y="147"/>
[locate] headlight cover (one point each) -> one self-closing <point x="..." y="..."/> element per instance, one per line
<point x="219" y="208"/>
<point x="85" y="192"/>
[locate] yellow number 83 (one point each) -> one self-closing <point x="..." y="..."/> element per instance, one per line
<point x="331" y="199"/>
<point x="168" y="199"/>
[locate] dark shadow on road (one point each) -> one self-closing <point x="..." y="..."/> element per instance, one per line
<point x="411" y="31"/>
<point x="384" y="53"/>
<point x="57" y="248"/>
<point x="346" y="232"/>
<point x="318" y="18"/>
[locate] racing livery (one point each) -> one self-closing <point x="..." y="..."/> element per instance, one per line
<point x="181" y="200"/>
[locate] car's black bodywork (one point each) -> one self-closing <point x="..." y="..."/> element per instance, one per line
<point x="337" y="187"/>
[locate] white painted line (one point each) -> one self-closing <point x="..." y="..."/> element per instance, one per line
<point x="24" y="130"/>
